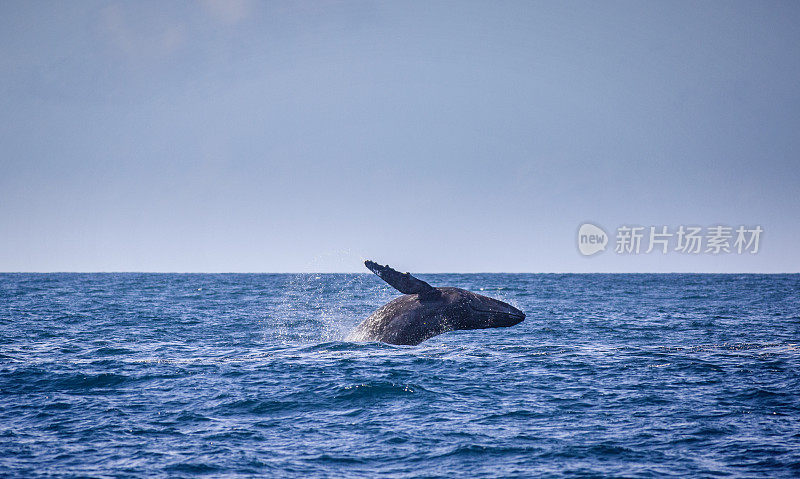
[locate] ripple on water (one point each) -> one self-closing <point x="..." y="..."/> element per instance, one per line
<point x="247" y="375"/>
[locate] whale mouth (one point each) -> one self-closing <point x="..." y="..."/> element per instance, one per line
<point x="516" y="316"/>
<point x="511" y="314"/>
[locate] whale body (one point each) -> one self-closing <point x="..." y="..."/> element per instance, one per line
<point x="424" y="311"/>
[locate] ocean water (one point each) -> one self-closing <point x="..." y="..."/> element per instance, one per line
<point x="181" y="375"/>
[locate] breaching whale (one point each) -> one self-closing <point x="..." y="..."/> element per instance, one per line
<point x="424" y="311"/>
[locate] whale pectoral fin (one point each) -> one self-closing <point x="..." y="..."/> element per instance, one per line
<point x="405" y="283"/>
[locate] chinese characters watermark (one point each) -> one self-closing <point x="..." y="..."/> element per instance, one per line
<point x="631" y="239"/>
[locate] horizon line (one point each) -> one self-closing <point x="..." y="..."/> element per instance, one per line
<point x="369" y="273"/>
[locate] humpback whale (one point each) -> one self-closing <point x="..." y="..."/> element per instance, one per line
<point x="424" y="311"/>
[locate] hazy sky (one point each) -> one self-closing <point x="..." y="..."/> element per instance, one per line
<point x="435" y="136"/>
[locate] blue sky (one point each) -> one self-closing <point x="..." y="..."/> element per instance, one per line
<point x="437" y="136"/>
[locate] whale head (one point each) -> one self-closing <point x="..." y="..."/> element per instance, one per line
<point x="468" y="310"/>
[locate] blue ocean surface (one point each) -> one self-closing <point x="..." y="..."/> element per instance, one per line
<point x="241" y="375"/>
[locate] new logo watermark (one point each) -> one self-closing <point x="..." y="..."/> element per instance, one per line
<point x="591" y="239"/>
<point x="632" y="239"/>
